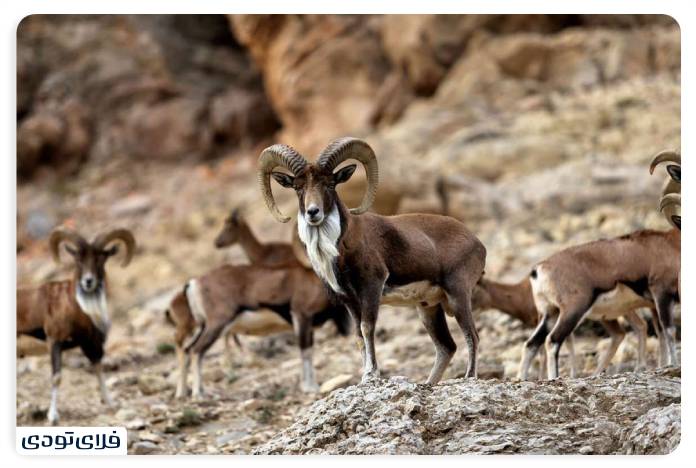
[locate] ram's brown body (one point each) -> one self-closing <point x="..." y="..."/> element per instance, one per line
<point x="568" y="282"/>
<point x="517" y="300"/>
<point x="363" y="257"/>
<point x="51" y="310"/>
<point x="74" y="312"/>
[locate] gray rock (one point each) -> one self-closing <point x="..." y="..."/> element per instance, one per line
<point x="144" y="448"/>
<point x="228" y="437"/>
<point x="627" y="413"/>
<point x="656" y="432"/>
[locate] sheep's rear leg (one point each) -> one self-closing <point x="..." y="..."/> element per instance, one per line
<point x="103" y="392"/>
<point x="640" y="328"/>
<point x="209" y="336"/>
<point x="571" y="354"/>
<point x="433" y="319"/>
<point x="664" y="303"/>
<point x="566" y="323"/>
<point x="617" y="335"/>
<point x="183" y="359"/>
<point x="55" y="350"/>
<point x="532" y="345"/>
<point x="305" y="339"/>
<point x="459" y="301"/>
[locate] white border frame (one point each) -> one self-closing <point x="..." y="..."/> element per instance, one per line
<point x="13" y="12"/>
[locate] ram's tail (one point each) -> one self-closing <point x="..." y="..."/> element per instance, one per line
<point x="195" y="302"/>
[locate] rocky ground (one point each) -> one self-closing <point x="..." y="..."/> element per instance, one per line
<point x="639" y="414"/>
<point x="541" y="133"/>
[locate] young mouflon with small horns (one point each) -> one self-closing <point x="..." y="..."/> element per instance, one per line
<point x="73" y="312"/>
<point x="364" y="258"/>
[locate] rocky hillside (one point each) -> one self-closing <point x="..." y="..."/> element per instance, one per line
<point x="635" y="413"/>
<point x="534" y="130"/>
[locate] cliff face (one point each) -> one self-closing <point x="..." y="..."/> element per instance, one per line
<point x="133" y="87"/>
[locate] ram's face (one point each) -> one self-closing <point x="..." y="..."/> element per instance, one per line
<point x="89" y="265"/>
<point x="316" y="190"/>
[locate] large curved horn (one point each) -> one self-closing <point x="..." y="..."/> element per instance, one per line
<point x="663" y="156"/>
<point x="124" y="235"/>
<point x="60" y="235"/>
<point x="353" y="148"/>
<point x="670" y="206"/>
<point x="270" y="158"/>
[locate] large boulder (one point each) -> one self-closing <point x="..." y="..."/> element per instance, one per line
<point x="626" y="413"/>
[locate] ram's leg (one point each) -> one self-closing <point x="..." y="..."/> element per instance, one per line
<point x="572" y="356"/>
<point x="368" y="325"/>
<point x="182" y="358"/>
<point x="662" y="343"/>
<point x="103" y="392"/>
<point x="641" y="330"/>
<point x="354" y="311"/>
<point x="568" y="320"/>
<point x="532" y="345"/>
<point x="617" y="334"/>
<point x="197" y="351"/>
<point x="459" y="300"/>
<point x="305" y="339"/>
<point x="542" y="362"/>
<point x="435" y="323"/>
<point x="664" y="302"/>
<point x="55" y="350"/>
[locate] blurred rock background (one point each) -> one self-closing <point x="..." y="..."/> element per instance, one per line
<point x="536" y="130"/>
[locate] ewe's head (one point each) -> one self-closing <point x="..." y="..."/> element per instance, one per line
<point x="480" y="297"/>
<point x="315" y="184"/>
<point x="89" y="257"/>
<point x="230" y="230"/>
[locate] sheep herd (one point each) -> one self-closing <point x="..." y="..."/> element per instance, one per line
<point x="343" y="263"/>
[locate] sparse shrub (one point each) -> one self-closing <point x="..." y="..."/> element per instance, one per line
<point x="165" y="348"/>
<point x="189" y="417"/>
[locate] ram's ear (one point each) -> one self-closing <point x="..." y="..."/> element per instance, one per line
<point x="677" y="221"/>
<point x="674" y="172"/>
<point x="343" y="174"/>
<point x="286" y="180"/>
<point x="71" y="250"/>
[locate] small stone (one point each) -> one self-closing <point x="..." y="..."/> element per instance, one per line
<point x="136" y="424"/>
<point x="125" y="414"/>
<point x="144" y="448"/>
<point x="251" y="404"/>
<point x="148" y="436"/>
<point x="338" y="381"/>
<point x="150" y="384"/>
<point x="159" y="409"/>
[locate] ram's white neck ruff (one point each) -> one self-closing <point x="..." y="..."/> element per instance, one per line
<point x="322" y="245"/>
<point x="96" y="308"/>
